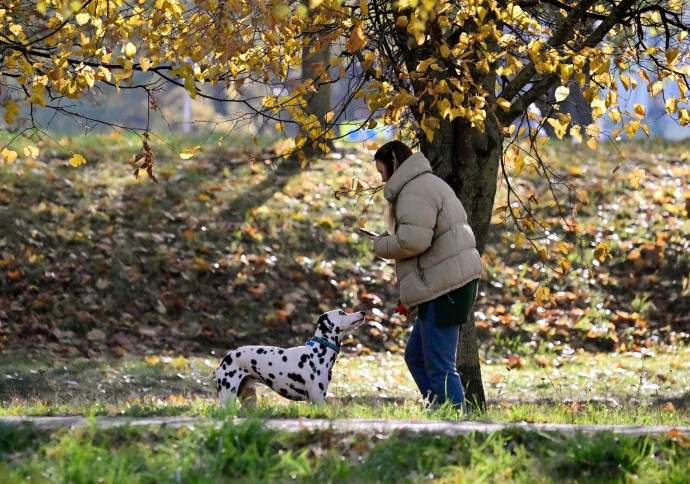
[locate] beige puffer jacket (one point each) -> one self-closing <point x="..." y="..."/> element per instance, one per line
<point x="433" y="246"/>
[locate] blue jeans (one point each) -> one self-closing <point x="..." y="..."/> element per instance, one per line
<point x="430" y="357"/>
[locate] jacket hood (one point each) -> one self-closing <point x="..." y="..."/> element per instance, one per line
<point x="411" y="168"/>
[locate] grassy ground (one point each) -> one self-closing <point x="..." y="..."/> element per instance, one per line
<point x="582" y="388"/>
<point x="247" y="452"/>
<point x="110" y="286"/>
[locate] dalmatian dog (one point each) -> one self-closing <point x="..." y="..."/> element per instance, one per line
<point x="299" y="373"/>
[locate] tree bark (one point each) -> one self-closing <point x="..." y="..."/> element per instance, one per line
<point x="319" y="102"/>
<point x="468" y="160"/>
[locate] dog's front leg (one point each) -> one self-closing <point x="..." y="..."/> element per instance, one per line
<point x="227" y="397"/>
<point x="317" y="394"/>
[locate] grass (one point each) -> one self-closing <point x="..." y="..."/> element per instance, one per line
<point x="583" y="388"/>
<point x="247" y="452"/>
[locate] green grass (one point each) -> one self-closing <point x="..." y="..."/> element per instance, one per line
<point x="247" y="452"/>
<point x="583" y="388"/>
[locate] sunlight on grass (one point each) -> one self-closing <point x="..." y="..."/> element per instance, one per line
<point x="247" y="451"/>
<point x="623" y="389"/>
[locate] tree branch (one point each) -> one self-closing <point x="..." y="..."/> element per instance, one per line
<point x="526" y="76"/>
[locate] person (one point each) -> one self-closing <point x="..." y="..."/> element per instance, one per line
<point x="437" y="267"/>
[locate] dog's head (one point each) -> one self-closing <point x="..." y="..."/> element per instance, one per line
<point x="338" y="322"/>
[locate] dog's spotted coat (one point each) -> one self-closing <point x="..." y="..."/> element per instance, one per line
<point x="299" y="373"/>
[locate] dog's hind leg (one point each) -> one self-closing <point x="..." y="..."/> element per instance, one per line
<point x="247" y="392"/>
<point x="228" y="385"/>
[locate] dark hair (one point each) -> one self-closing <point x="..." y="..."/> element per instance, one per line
<point x="392" y="155"/>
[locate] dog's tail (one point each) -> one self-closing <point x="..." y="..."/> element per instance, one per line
<point x="199" y="376"/>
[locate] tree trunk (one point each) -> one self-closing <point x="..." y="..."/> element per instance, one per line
<point x="468" y="160"/>
<point x="314" y="66"/>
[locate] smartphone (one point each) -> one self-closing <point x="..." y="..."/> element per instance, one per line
<point x="368" y="232"/>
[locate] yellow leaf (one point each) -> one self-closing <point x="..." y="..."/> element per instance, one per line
<point x="419" y="37"/>
<point x="429" y="125"/>
<point x="655" y="88"/>
<point x="444" y="107"/>
<point x="503" y="103"/>
<point x="542" y="295"/>
<point x="643" y="74"/>
<point x="520" y="239"/>
<point x="520" y="164"/>
<point x="598" y="108"/>
<point x="562" y="93"/>
<point x="639" y="110"/>
<point x="130" y="50"/>
<point x="187" y="153"/>
<point x="8" y="155"/>
<point x="151" y="360"/>
<point x="671" y="56"/>
<point x="592" y="143"/>
<point x="145" y="64"/>
<point x="683" y="117"/>
<point x="631" y="128"/>
<point x="356" y="41"/>
<point x="82" y="18"/>
<point x="403" y="98"/>
<point x="565" y="264"/>
<point x="671" y="105"/>
<point x="575" y="133"/>
<point x="77" y="160"/>
<point x="559" y="128"/>
<point x="11" y="110"/>
<point x="31" y="151"/>
<point x="566" y="71"/>
<point x="637" y="175"/>
<point x="562" y="247"/>
<point x="626" y="81"/>
<point x="325" y="222"/>
<point x="445" y="51"/>
<point x="602" y="252"/>
<point x="16" y="29"/>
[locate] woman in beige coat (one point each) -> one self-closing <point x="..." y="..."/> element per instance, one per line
<point x="437" y="266"/>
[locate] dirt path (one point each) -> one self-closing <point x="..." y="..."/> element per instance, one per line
<point x="354" y="425"/>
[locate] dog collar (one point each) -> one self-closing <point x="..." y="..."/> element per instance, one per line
<point x="323" y="342"/>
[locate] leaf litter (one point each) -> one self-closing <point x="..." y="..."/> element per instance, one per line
<point x="96" y="264"/>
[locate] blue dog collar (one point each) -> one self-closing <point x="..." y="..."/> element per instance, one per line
<point x="323" y="342"/>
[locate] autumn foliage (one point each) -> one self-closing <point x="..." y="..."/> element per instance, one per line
<point x="93" y="261"/>
<point x="413" y="63"/>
